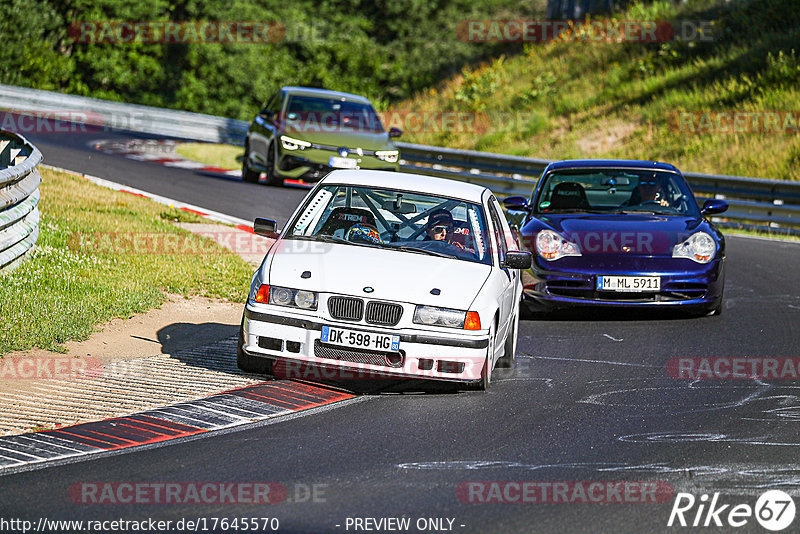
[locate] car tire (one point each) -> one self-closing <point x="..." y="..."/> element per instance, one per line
<point x="273" y="178"/>
<point x="248" y="175"/>
<point x="247" y="363"/>
<point x="507" y="359"/>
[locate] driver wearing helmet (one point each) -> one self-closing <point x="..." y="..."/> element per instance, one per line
<point x="649" y="191"/>
<point x="440" y="228"/>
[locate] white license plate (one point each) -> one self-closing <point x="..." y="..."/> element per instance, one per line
<point x="629" y="284"/>
<point x="360" y="340"/>
<point x="342" y="163"/>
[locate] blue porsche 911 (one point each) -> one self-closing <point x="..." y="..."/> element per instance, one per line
<point x="620" y="233"/>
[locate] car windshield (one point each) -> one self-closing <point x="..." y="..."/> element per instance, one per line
<point x="331" y="114"/>
<point x="401" y="220"/>
<point x="615" y="191"/>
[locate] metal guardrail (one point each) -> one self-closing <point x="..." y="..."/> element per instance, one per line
<point x="19" y="198"/>
<point x="754" y="202"/>
<point x="105" y="114"/>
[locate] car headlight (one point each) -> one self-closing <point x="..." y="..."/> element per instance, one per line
<point x="433" y="316"/>
<point x="286" y="296"/>
<point x="699" y="247"/>
<point x="551" y="246"/>
<point x="387" y="155"/>
<point x="290" y="143"/>
<point x="306" y="300"/>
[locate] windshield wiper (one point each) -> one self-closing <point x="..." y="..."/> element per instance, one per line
<point x="630" y="212"/>
<point x="323" y="237"/>
<point x="406" y="248"/>
<point x="571" y="210"/>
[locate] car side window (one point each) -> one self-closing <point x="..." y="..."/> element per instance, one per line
<point x="499" y="234"/>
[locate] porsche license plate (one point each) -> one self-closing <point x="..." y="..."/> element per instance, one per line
<point x="342" y="163"/>
<point x="629" y="284"/>
<point x="360" y="340"/>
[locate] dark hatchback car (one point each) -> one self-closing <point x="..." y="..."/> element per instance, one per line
<point x="303" y="133"/>
<point x="620" y="233"/>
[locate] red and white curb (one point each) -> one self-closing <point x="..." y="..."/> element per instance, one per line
<point x="157" y="151"/>
<point x="241" y="224"/>
<point x="236" y="407"/>
<point x="162" y="152"/>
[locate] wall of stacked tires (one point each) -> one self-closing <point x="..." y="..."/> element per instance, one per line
<point x="19" y="198"/>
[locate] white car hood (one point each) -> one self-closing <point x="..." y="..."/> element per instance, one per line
<point x="394" y="275"/>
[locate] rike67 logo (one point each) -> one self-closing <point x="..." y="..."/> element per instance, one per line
<point x="774" y="510"/>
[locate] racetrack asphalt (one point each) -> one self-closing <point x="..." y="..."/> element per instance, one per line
<point x="590" y="399"/>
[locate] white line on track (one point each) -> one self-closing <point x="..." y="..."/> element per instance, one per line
<point x="588" y="361"/>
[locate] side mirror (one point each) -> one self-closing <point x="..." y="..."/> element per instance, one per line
<point x="516" y="203"/>
<point x="713" y="206"/>
<point x="395" y="132"/>
<point x="266" y="114"/>
<point x="518" y="259"/>
<point x="265" y="227"/>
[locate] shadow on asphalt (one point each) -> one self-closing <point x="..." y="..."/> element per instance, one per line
<point x="178" y="339"/>
<point x="616" y="314"/>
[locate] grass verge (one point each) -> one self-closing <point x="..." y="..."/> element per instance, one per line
<point x="89" y="268"/>
<point x="219" y="155"/>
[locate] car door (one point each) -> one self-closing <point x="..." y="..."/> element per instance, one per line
<point x="507" y="279"/>
<point x="264" y="129"/>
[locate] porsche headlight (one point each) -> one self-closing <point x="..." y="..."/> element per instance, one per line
<point x="290" y="143"/>
<point x="295" y="298"/>
<point x="387" y="155"/>
<point x="551" y="246"/>
<point x="699" y="247"/>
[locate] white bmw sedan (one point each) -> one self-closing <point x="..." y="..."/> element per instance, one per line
<point x="387" y="274"/>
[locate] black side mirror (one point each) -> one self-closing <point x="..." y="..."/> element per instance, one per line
<point x="266" y="114"/>
<point x="265" y="227"/>
<point x="516" y="203"/>
<point x="713" y="206"/>
<point x="518" y="259"/>
<point x="395" y="132"/>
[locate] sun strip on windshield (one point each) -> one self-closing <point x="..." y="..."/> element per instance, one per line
<point x="313" y="211"/>
<point x="476" y="231"/>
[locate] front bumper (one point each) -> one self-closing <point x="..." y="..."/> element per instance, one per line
<point x="294" y="339"/>
<point x="696" y="286"/>
<point x="312" y="164"/>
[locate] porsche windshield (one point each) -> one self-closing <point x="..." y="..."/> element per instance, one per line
<point x="411" y="222"/>
<point x="615" y="191"/>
